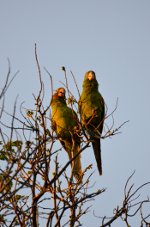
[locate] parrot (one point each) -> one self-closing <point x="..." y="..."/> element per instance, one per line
<point x="66" y="125"/>
<point x="92" y="112"/>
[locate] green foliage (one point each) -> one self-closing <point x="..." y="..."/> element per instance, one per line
<point x="2" y="220"/>
<point x="7" y="151"/>
<point x="11" y="145"/>
<point x="5" y="182"/>
<point x="16" y="198"/>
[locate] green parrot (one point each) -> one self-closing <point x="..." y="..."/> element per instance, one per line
<point x="92" y="110"/>
<point x="65" y="124"/>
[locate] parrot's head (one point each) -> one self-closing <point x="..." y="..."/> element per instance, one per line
<point x="61" y="92"/>
<point x="90" y="75"/>
<point x="59" y="96"/>
<point x="90" y="81"/>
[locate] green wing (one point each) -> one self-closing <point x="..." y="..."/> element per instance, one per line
<point x="67" y="130"/>
<point x="92" y="110"/>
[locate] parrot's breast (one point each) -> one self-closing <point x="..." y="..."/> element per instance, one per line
<point x="63" y="118"/>
<point x="92" y="106"/>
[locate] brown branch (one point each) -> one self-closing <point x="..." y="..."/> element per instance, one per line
<point x="7" y="82"/>
<point x="126" y="204"/>
<point x="75" y="83"/>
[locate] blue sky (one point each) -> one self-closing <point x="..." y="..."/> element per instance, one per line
<point x="110" y="37"/>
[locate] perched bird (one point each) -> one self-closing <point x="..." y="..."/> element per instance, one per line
<point x="65" y="124"/>
<point x="92" y="110"/>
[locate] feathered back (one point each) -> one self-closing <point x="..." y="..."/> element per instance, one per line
<point x="92" y="110"/>
<point x="65" y="124"/>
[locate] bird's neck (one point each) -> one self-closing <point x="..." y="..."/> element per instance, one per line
<point x="90" y="86"/>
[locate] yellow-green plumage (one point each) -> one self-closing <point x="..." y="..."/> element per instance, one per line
<point x="65" y="124"/>
<point x="92" y="110"/>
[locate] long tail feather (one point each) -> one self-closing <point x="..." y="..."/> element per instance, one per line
<point x="77" y="170"/>
<point x="76" y="164"/>
<point x="97" y="152"/>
